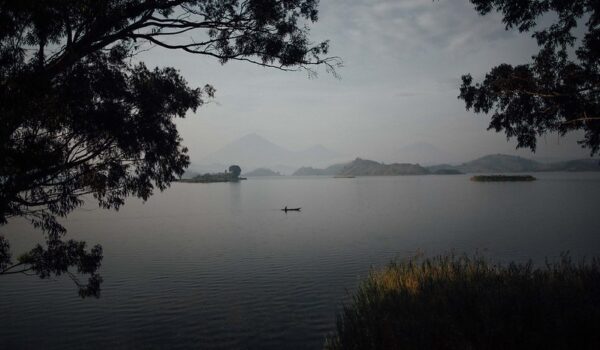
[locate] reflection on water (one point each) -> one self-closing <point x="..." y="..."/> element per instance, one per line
<point x="219" y="266"/>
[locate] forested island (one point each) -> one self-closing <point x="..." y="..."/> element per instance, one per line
<point x="233" y="175"/>
<point x="502" y="178"/>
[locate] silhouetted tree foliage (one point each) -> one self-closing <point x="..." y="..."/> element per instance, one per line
<point x="235" y="171"/>
<point x="560" y="90"/>
<point x="79" y="117"/>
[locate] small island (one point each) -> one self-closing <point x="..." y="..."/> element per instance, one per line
<point x="502" y="178"/>
<point x="233" y="175"/>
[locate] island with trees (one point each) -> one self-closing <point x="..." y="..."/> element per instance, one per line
<point x="502" y="178"/>
<point x="232" y="175"/>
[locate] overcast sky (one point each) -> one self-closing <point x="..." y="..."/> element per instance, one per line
<point x="399" y="85"/>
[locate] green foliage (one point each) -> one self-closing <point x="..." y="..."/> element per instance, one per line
<point x="560" y="90"/>
<point x="78" y="117"/>
<point x="451" y="302"/>
<point x="5" y="255"/>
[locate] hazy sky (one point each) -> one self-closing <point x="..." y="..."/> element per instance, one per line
<point x="399" y="85"/>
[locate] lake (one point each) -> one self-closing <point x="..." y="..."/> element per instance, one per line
<point x="219" y="266"/>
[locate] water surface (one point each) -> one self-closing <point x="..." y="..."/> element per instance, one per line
<point x="219" y="266"/>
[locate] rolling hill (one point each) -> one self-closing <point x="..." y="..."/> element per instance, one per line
<point x="502" y="163"/>
<point x="364" y="167"/>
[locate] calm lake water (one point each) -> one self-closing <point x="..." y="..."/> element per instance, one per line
<point x="219" y="266"/>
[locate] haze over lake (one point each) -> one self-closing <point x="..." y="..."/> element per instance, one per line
<point x="219" y="266"/>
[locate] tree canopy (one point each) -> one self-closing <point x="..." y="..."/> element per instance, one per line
<point x="235" y="171"/>
<point x="559" y="91"/>
<point x="81" y="118"/>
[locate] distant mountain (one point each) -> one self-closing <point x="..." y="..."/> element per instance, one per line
<point x="578" y="165"/>
<point x="262" y="172"/>
<point x="445" y="171"/>
<point x="330" y="171"/>
<point x="442" y="167"/>
<point x="249" y="150"/>
<point x="502" y="163"/>
<point x="364" y="167"/>
<point x="497" y="163"/>
<point x="253" y="151"/>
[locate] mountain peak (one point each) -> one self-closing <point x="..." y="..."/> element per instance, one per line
<point x="253" y="138"/>
<point x="365" y="167"/>
<point x="254" y="151"/>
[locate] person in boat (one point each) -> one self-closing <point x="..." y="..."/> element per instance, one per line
<point x="286" y="209"/>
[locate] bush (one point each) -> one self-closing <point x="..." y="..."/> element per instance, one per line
<point x="450" y="302"/>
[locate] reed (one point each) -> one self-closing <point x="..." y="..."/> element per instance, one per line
<point x="451" y="302"/>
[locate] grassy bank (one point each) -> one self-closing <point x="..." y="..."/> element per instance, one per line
<point x="453" y="302"/>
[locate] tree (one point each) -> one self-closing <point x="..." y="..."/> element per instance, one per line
<point x="81" y="119"/>
<point x="235" y="171"/>
<point x="560" y="90"/>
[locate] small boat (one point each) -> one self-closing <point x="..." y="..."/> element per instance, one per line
<point x="286" y="209"/>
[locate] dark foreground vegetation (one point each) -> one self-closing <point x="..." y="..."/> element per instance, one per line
<point x="502" y="178"/>
<point x="452" y="302"/>
<point x="81" y="120"/>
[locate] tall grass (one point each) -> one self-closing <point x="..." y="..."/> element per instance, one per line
<point x="451" y="302"/>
